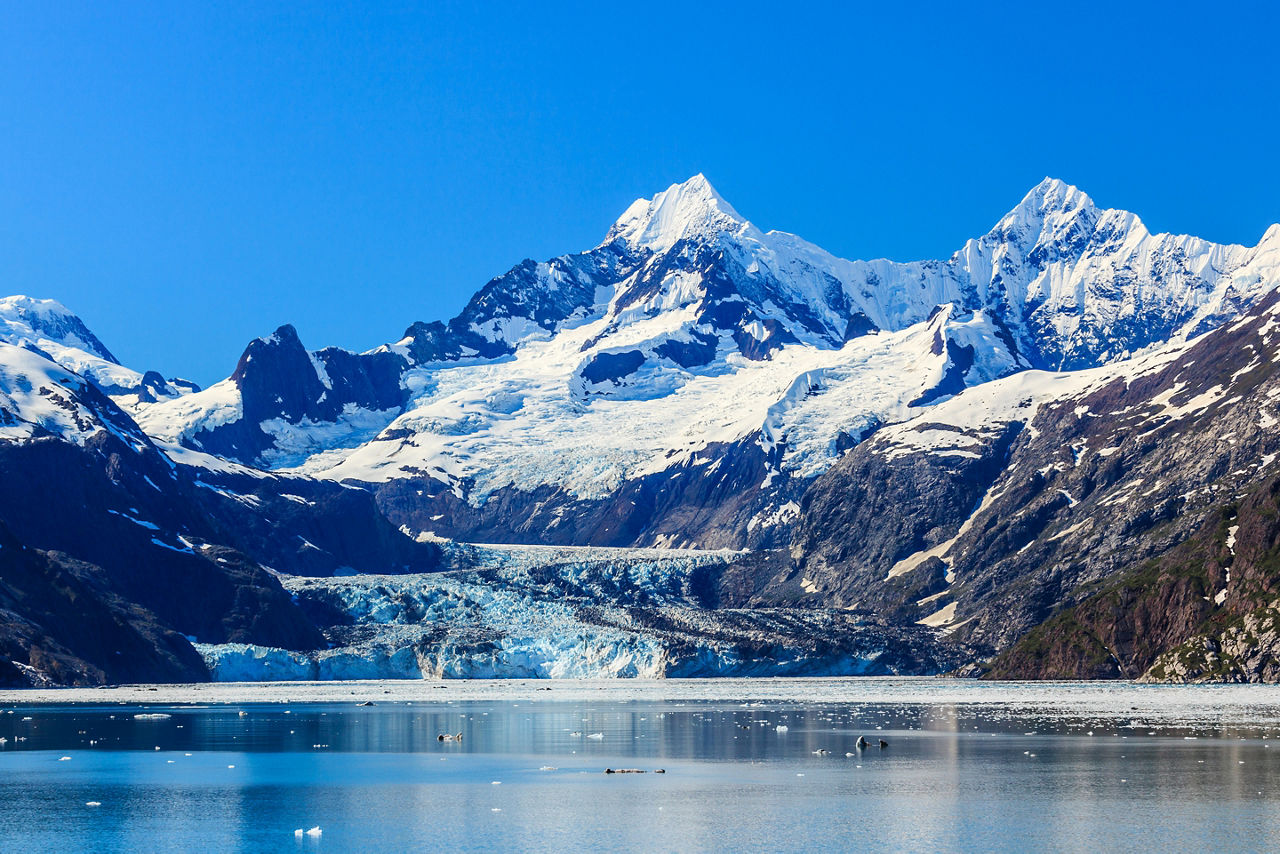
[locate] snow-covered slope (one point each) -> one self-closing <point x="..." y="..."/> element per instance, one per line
<point x="40" y="398"/>
<point x="48" y="327"/>
<point x="690" y="334"/>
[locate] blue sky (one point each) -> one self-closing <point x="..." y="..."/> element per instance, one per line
<point x="189" y="176"/>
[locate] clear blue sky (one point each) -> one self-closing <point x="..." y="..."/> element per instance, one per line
<point x="188" y="176"/>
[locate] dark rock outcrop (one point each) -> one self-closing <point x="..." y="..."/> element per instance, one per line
<point x="98" y="522"/>
<point x="708" y="502"/>
<point x="278" y="379"/>
<point x="1204" y="611"/>
<point x="61" y="623"/>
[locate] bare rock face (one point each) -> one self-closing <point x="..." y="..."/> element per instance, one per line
<point x="113" y="557"/>
<point x="60" y="624"/>
<point x="685" y="505"/>
<point x="1205" y="611"/>
<point x="1246" y="650"/>
<point x="1119" y="476"/>
<point x="867" y="526"/>
<point x="1107" y="513"/>
<point x="278" y="381"/>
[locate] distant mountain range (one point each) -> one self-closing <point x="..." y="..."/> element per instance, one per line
<point x="707" y="449"/>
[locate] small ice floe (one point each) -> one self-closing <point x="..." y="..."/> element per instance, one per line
<point x="93" y="803"/>
<point x="313" y="832"/>
<point x="231" y="766"/>
<point x="496" y="783"/>
<point x="851" y="756"/>
<point x="781" y="728"/>
<point x="152" y="716"/>
<point x="548" y="768"/>
<point x="64" y="759"/>
<point x="495" y="809"/>
<point x="596" y="735"/>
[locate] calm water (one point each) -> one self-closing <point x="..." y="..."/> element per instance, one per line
<point x="527" y="775"/>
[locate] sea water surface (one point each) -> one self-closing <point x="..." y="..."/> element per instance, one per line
<point x="747" y="765"/>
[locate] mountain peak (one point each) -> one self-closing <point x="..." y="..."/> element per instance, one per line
<point x="1051" y="212"/>
<point x="690" y="209"/>
<point x="24" y="318"/>
<point x="1053" y="195"/>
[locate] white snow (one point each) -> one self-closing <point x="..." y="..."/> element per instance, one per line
<point x="199" y="459"/>
<point x="174" y="421"/>
<point x="688" y="210"/>
<point x="39" y="396"/>
<point x="298" y="441"/>
<point x="942" y="617"/>
<point x="523" y="421"/>
<point x="53" y="329"/>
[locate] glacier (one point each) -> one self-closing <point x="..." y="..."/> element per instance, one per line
<point x="527" y="612"/>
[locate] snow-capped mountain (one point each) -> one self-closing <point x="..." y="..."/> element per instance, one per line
<point x="1066" y="415"/>
<point x="47" y="327"/>
<point x="690" y="343"/>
